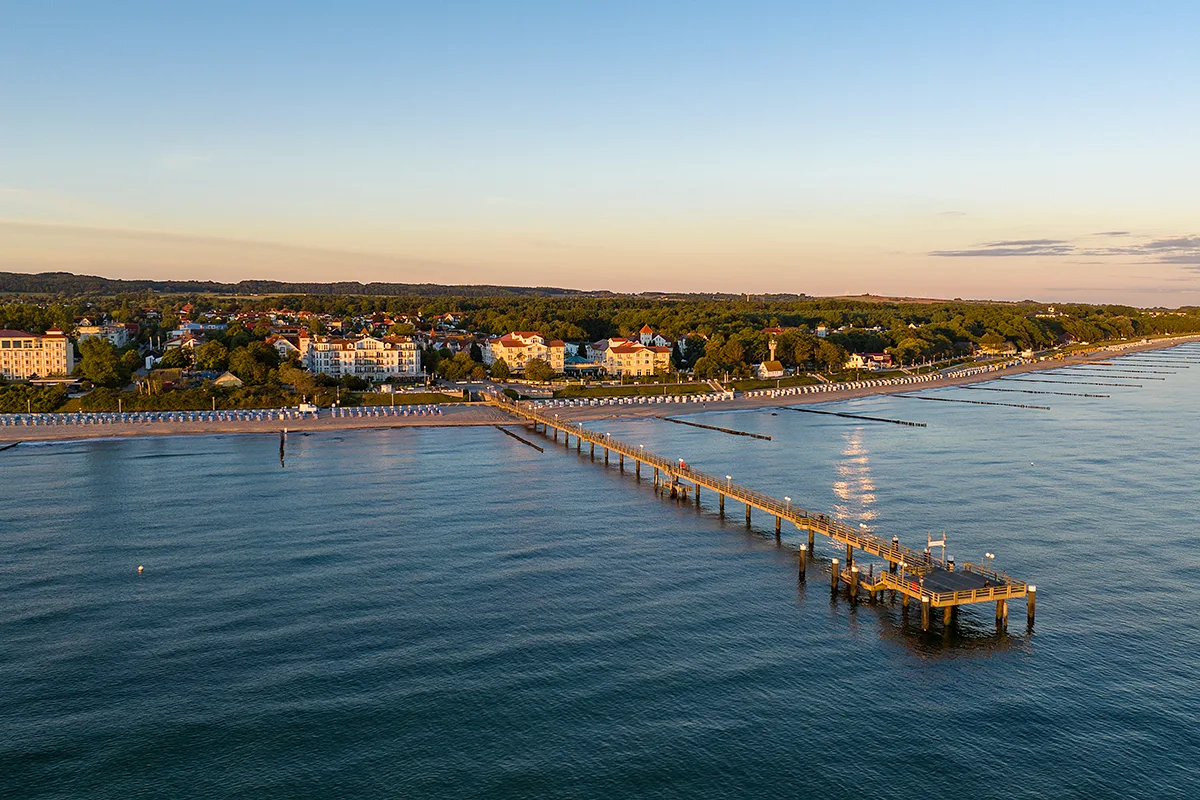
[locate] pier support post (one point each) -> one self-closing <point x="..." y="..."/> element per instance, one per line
<point x="803" y="563"/>
<point x="1001" y="612"/>
<point x="849" y="555"/>
<point x="778" y="526"/>
<point x="925" y="609"/>
<point x="656" y="477"/>
<point x="810" y="540"/>
<point x="578" y="442"/>
<point x="835" y="574"/>
<point x="1030" y="603"/>
<point x="697" y="495"/>
<point x="903" y="600"/>
<point x="721" y="505"/>
<point x="621" y="461"/>
<point x="637" y="470"/>
<point x="747" y="515"/>
<point x="854" y="583"/>
<point x="593" y="451"/>
<point x="606" y="456"/>
<point x="556" y="434"/>
<point x="947" y="615"/>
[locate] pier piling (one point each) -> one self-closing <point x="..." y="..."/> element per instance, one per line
<point x="853" y="584"/>
<point x="803" y="563"/>
<point x="721" y="504"/>
<point x="835" y="574"/>
<point x="1031" y="603"/>
<point x="925" y="609"/>
<point x="747" y="515"/>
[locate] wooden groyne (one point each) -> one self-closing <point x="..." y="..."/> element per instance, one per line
<point x="972" y="402"/>
<point x="1130" y="375"/>
<point x="913" y="575"/>
<point x="1029" y="391"/>
<point x="9" y="446"/>
<point x="856" y="416"/>
<point x="1078" y="383"/>
<point x="520" y="439"/>
<point x="730" y="431"/>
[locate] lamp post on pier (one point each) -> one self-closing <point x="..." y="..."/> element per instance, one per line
<point x="789" y="504"/>
<point x="991" y="557"/>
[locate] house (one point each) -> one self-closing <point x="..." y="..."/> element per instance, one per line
<point x="27" y="355"/>
<point x="285" y="345"/>
<point x="227" y="380"/>
<point x="822" y="331"/>
<point x="869" y="361"/>
<point x="769" y="370"/>
<point x="620" y="356"/>
<point x="647" y="337"/>
<point x="520" y="347"/>
<point x="117" y="334"/>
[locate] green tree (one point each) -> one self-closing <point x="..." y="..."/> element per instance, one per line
<point x="100" y="362"/>
<point x="176" y="358"/>
<point x="212" y="356"/>
<point x="538" y="370"/>
<point x="500" y="370"/>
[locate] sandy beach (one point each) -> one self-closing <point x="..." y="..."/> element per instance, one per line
<point x="466" y="414"/>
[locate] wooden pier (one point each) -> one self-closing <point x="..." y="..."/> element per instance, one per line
<point x="914" y="575"/>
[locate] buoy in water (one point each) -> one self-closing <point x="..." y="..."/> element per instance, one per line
<point x="140" y="568"/>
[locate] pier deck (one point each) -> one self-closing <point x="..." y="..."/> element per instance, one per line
<point x="931" y="581"/>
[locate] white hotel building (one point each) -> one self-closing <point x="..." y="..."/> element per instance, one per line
<point x="368" y="358"/>
<point x="27" y="355"/>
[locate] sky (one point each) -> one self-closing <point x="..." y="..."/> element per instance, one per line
<point x="1011" y="150"/>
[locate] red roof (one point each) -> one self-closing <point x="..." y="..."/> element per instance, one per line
<point x="660" y="349"/>
<point x="15" y="334"/>
<point x="556" y="343"/>
<point x="646" y="329"/>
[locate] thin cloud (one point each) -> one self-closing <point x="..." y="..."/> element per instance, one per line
<point x="1012" y="248"/>
<point x="1182" y="250"/>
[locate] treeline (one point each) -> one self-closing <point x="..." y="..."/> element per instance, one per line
<point x="70" y="285"/>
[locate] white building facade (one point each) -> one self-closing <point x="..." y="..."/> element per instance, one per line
<point x="367" y="357"/>
<point x="27" y="355"/>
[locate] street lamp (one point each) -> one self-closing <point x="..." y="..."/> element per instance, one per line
<point x="789" y="504"/>
<point x="991" y="557"/>
<point x="728" y="481"/>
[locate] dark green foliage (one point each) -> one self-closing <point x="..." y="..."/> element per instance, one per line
<point x="21" y="397"/>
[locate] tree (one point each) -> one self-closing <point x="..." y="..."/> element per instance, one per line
<point x="500" y="370"/>
<point x="100" y="363"/>
<point x="538" y="370"/>
<point x="402" y="329"/>
<point x="176" y="358"/>
<point x="706" y="368"/>
<point x="212" y="356"/>
<point x="476" y="353"/>
<point x="254" y="362"/>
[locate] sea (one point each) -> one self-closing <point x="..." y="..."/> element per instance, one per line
<point x="449" y="613"/>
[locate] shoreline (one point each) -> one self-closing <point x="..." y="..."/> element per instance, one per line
<point x="478" y="414"/>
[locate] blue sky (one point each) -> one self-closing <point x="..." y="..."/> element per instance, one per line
<point x="932" y="149"/>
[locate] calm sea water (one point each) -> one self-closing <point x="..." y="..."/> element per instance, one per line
<point x="448" y="613"/>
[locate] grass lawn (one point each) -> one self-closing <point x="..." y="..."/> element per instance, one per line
<point x="644" y="390"/>
<point x="406" y="399"/>
<point x="750" y="384"/>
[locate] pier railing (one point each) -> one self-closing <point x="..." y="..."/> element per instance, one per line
<point x="916" y="562"/>
<point x="1006" y="591"/>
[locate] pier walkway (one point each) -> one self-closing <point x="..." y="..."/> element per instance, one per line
<point x="913" y="574"/>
